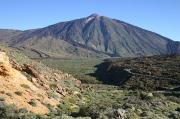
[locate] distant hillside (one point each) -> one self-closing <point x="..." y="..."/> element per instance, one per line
<point x="92" y="36"/>
<point x="145" y="73"/>
<point x="6" y="35"/>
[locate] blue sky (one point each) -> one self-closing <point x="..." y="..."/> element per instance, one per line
<point x="161" y="16"/>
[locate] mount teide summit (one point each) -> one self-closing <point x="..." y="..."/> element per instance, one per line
<point x="92" y="36"/>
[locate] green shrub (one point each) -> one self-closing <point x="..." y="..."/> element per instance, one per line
<point x="174" y="99"/>
<point x="23" y="110"/>
<point x="52" y="95"/>
<point x="53" y="85"/>
<point x="2" y="99"/>
<point x="91" y="111"/>
<point x="146" y="96"/>
<point x="9" y="94"/>
<point x="11" y="112"/>
<point x="25" y="86"/>
<point x="39" y="95"/>
<point x="65" y="108"/>
<point x="33" y="103"/>
<point x="18" y="93"/>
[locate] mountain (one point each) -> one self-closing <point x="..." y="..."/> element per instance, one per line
<point x="93" y="36"/>
<point x="8" y="34"/>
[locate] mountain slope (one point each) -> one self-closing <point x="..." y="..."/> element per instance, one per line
<point x="8" y="34"/>
<point x="145" y="73"/>
<point x="96" y="36"/>
<point x="31" y="85"/>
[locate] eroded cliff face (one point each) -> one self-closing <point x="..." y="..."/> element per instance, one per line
<point x="5" y="67"/>
<point x="18" y="90"/>
<point x="27" y="88"/>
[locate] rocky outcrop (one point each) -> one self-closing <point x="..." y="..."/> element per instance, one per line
<point x="5" y="67"/>
<point x="17" y="89"/>
<point x="26" y="87"/>
<point x="37" y="77"/>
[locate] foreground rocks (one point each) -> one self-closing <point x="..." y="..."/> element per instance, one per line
<point x="5" y="67"/>
<point x="26" y="87"/>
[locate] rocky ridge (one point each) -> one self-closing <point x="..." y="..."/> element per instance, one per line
<point x="26" y="87"/>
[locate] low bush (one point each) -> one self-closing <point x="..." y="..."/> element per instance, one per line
<point x="9" y="94"/>
<point x="25" y="86"/>
<point x="146" y="96"/>
<point x="64" y="107"/>
<point x="2" y="99"/>
<point x="52" y="95"/>
<point x="11" y="112"/>
<point x="33" y="103"/>
<point x="18" y="93"/>
<point x="53" y="85"/>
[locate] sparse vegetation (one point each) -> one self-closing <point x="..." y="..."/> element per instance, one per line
<point x="33" y="103"/>
<point x="103" y="100"/>
<point x="53" y="85"/>
<point x="9" y="94"/>
<point x="138" y="98"/>
<point x="79" y="68"/>
<point x="145" y="73"/>
<point x="65" y="107"/>
<point x="25" y="86"/>
<point x="2" y="99"/>
<point x="52" y="95"/>
<point x="11" y="112"/>
<point x="18" y="93"/>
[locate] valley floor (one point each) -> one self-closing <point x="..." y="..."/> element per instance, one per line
<point x="104" y="100"/>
